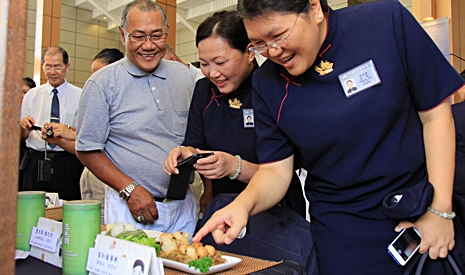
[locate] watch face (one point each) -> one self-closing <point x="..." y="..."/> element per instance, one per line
<point x="123" y="195"/>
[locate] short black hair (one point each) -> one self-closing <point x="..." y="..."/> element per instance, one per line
<point x="52" y="51"/>
<point x="29" y="82"/>
<point x="227" y="25"/>
<point x="109" y="55"/>
<point x="252" y="8"/>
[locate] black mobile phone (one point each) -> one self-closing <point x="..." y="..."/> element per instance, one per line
<point x="193" y="159"/>
<point x="405" y="245"/>
<point x="179" y="183"/>
<point x="35" y="127"/>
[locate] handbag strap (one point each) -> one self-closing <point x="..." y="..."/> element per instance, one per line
<point x="422" y="260"/>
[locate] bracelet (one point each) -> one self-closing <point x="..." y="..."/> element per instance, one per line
<point x="239" y="168"/>
<point x="442" y="214"/>
<point x="69" y="127"/>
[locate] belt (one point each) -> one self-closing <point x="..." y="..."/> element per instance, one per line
<point x="160" y="199"/>
<point x="50" y="154"/>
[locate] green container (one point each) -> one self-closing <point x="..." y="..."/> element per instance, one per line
<point x="81" y="225"/>
<point x="31" y="206"/>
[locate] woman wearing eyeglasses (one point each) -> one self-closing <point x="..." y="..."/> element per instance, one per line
<point x="394" y="132"/>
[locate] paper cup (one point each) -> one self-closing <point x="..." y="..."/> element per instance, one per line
<point x="31" y="206"/>
<point x="81" y="224"/>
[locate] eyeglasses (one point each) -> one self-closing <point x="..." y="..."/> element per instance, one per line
<point x="139" y="38"/>
<point x="277" y="43"/>
<point x="55" y="68"/>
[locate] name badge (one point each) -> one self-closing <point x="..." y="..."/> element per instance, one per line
<point x="359" y="78"/>
<point x="103" y="263"/>
<point x="44" y="239"/>
<point x="249" y="121"/>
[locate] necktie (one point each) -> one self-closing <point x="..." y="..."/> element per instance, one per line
<point x="55" y="113"/>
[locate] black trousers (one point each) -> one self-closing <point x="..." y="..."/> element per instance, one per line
<point x="67" y="170"/>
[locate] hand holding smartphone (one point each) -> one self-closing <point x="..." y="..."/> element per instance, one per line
<point x="405" y="245"/>
<point x="193" y="159"/>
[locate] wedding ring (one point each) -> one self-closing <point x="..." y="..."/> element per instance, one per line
<point x="140" y="219"/>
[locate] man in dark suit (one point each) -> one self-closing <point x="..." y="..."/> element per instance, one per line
<point x="350" y="86"/>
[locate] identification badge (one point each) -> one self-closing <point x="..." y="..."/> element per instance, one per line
<point x="248" y="118"/>
<point x="359" y="78"/>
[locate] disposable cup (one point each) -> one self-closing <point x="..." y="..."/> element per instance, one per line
<point x="31" y="206"/>
<point x="81" y="224"/>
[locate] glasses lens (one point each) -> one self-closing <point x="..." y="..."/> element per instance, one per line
<point x="51" y="68"/>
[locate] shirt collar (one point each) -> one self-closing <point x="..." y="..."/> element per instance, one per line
<point x="61" y="89"/>
<point x="331" y="29"/>
<point x="160" y="71"/>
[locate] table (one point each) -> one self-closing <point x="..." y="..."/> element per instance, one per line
<point x="31" y="265"/>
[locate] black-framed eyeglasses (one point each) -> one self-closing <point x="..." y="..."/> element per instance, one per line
<point x="277" y="43"/>
<point x="139" y="38"/>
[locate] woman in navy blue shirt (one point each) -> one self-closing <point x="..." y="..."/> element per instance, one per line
<point x="220" y="105"/>
<point x="393" y="132"/>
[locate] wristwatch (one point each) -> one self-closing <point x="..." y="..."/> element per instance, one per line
<point x="126" y="192"/>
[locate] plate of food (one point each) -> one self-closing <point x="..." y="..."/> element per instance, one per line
<point x="230" y="262"/>
<point x="176" y="251"/>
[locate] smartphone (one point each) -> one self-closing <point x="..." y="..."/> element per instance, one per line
<point x="34" y="127"/>
<point x="405" y="245"/>
<point x="193" y="159"/>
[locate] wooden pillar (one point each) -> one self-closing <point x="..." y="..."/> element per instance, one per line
<point x="170" y="9"/>
<point x="13" y="22"/>
<point x="48" y="19"/>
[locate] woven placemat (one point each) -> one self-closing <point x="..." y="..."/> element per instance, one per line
<point x="246" y="266"/>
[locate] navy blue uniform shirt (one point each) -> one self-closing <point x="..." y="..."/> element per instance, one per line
<point x="358" y="149"/>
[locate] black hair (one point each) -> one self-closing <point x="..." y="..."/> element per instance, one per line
<point x="143" y="5"/>
<point x="139" y="263"/>
<point x="227" y="25"/>
<point x="29" y="82"/>
<point x="109" y="56"/>
<point x="252" y="8"/>
<point x="54" y="50"/>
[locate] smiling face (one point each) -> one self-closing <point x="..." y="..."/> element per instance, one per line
<point x="303" y="43"/>
<point x="226" y="67"/>
<point x="145" y="56"/>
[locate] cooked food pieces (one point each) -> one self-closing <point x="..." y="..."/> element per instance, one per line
<point x="177" y="247"/>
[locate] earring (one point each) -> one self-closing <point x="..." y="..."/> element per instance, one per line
<point x="320" y="16"/>
<point x="250" y="60"/>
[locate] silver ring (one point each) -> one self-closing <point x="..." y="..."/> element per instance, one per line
<point x="140" y="218"/>
<point x="242" y="233"/>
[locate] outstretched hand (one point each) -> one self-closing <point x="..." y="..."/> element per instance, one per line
<point x="225" y="224"/>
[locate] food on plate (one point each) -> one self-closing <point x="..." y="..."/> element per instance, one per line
<point x="114" y="229"/>
<point x="203" y="264"/>
<point x="132" y="234"/>
<point x="177" y="247"/>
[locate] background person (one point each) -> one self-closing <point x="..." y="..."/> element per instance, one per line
<point x="28" y="83"/>
<point x="171" y="55"/>
<point x="395" y="134"/>
<point x="105" y="57"/>
<point x="36" y="109"/>
<point x="135" y="111"/>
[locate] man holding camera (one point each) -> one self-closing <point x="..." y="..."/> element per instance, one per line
<point x="50" y="163"/>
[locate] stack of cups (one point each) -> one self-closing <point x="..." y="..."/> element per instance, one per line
<point x="81" y="225"/>
<point x="31" y="206"/>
